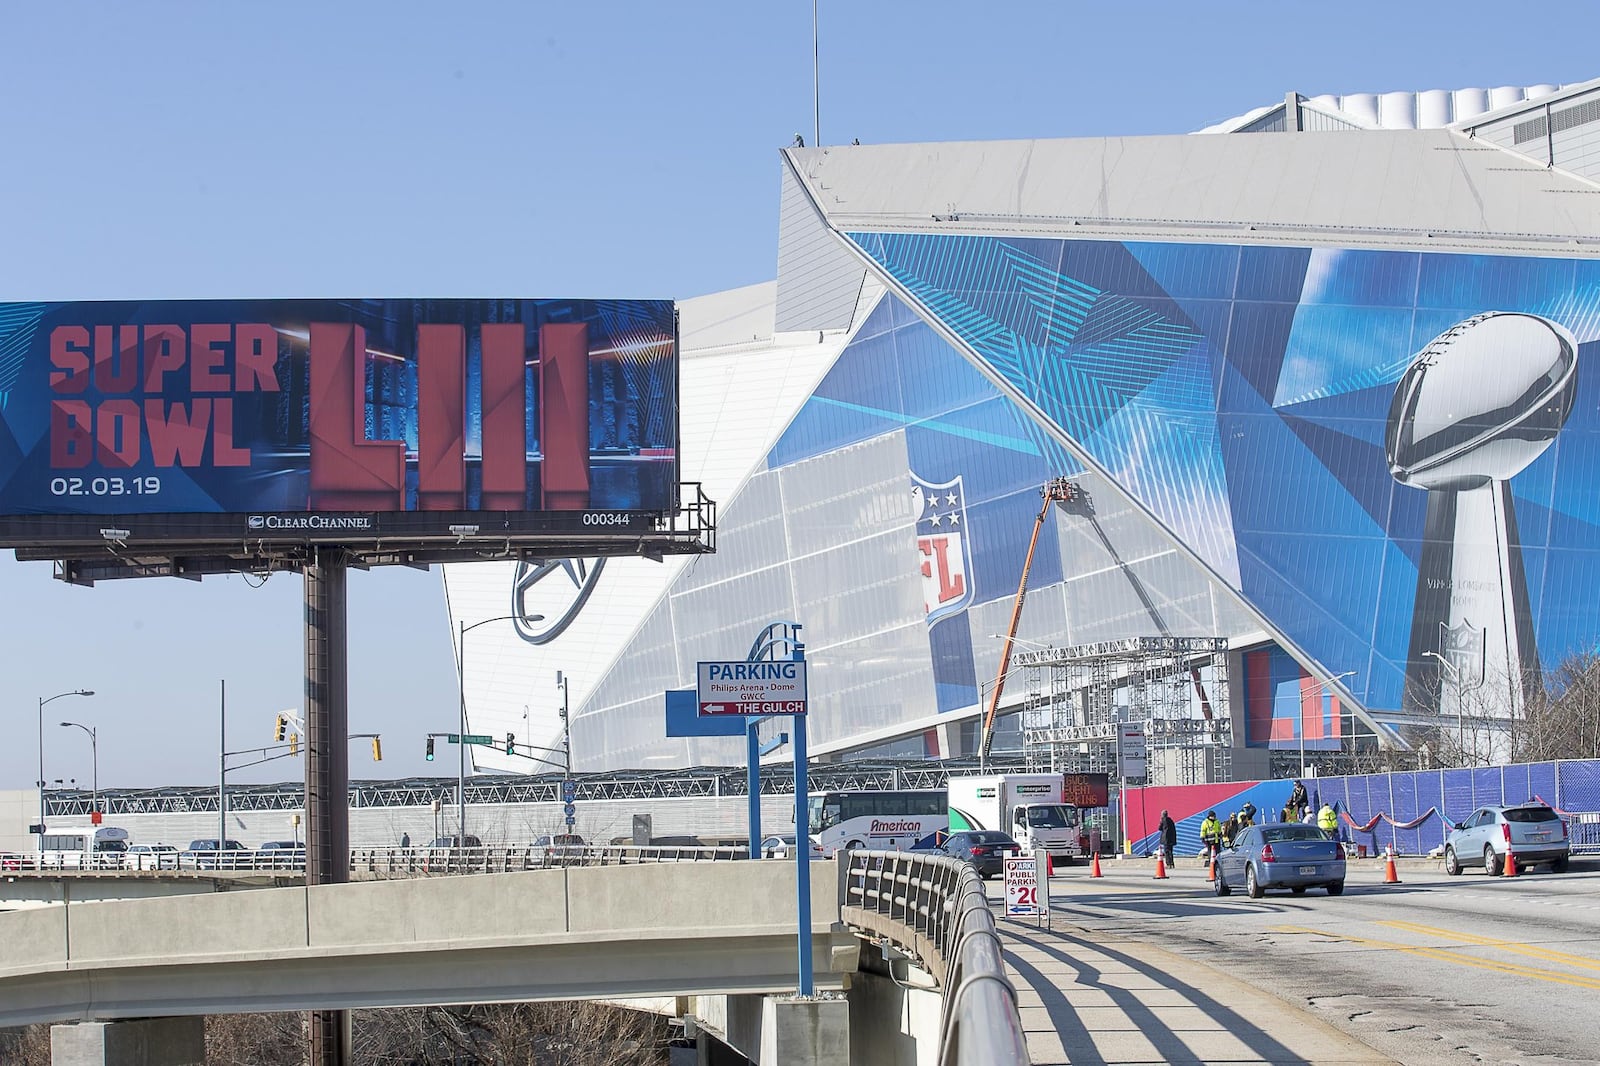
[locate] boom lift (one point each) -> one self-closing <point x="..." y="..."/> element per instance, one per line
<point x="1056" y="490"/>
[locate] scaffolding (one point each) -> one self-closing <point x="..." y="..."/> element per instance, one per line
<point x="1080" y="696"/>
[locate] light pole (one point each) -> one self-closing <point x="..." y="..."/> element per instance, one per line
<point x="1322" y="689"/>
<point x="94" y="755"/>
<point x="461" y="691"/>
<point x="1455" y="681"/>
<point x="42" y="701"/>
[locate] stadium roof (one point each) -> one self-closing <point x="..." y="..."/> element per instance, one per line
<point x="1428" y="110"/>
<point x="1432" y="189"/>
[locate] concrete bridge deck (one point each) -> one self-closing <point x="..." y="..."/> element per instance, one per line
<point x="608" y="932"/>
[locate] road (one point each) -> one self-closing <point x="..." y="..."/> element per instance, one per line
<point x="1436" y="969"/>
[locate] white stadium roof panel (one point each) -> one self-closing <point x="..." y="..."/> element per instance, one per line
<point x="1434" y="189"/>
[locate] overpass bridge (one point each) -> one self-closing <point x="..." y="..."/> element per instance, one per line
<point x="722" y="932"/>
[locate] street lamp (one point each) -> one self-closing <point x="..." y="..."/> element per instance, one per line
<point x="461" y="691"/>
<point x="1455" y="682"/>
<point x="94" y="754"/>
<point x="42" y="702"/>
<point x="1322" y="688"/>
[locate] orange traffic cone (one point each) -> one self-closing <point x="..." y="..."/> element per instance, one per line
<point x="1211" y="867"/>
<point x="1094" y="867"/>
<point x="1161" y="864"/>
<point x="1390" y="875"/>
<point x="1049" y="865"/>
<point x="1511" y="864"/>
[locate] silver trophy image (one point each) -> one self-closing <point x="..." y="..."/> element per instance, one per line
<point x="1479" y="403"/>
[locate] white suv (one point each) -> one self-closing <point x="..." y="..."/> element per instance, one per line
<point x="1533" y="832"/>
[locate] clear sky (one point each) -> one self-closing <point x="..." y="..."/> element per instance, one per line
<point x="170" y="150"/>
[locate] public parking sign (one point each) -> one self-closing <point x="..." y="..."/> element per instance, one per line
<point x="752" y="687"/>
<point x="1022" y="887"/>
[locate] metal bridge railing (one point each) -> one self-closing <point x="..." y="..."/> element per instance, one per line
<point x="374" y="862"/>
<point x="434" y="862"/>
<point x="935" y="910"/>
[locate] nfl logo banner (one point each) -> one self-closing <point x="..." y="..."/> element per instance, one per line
<point x="942" y="546"/>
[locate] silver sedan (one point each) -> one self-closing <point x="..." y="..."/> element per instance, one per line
<point x="1288" y="855"/>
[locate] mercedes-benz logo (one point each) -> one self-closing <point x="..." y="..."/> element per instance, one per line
<point x="542" y="610"/>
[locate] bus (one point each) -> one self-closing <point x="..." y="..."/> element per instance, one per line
<point x="85" y="847"/>
<point x="888" y="820"/>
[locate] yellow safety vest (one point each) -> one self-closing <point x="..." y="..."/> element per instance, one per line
<point x="1327" y="821"/>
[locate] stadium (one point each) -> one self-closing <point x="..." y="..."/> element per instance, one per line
<point x="1310" y="384"/>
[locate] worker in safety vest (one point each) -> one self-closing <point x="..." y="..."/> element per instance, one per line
<point x="1327" y="820"/>
<point x="1211" y="833"/>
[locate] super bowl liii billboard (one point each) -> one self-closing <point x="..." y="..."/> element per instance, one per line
<point x="311" y="419"/>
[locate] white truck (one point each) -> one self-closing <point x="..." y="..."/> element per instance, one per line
<point x="1028" y="806"/>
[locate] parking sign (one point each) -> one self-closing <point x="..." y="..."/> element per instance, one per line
<point x="1022" y="888"/>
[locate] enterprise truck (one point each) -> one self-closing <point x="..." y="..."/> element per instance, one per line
<point x="1028" y="806"/>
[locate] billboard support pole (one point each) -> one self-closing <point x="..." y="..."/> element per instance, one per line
<point x="327" y="762"/>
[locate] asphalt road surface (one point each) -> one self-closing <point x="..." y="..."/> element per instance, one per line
<point x="1437" y="969"/>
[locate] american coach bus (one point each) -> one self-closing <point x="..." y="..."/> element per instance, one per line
<point x="889" y="820"/>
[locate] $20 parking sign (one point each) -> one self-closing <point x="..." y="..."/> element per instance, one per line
<point x="1022" y="888"/>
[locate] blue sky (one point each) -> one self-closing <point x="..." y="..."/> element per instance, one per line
<point x="166" y="150"/>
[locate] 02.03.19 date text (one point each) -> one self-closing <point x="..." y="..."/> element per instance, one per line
<point x="147" y="485"/>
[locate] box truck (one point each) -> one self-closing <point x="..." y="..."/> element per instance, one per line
<point x="1028" y="806"/>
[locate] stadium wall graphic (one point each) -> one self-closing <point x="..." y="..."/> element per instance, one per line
<point x="1387" y="454"/>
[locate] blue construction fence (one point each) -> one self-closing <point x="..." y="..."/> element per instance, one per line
<point x="1416" y="809"/>
<point x="1411" y="810"/>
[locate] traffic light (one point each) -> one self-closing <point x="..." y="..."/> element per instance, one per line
<point x="294" y="743"/>
<point x="377" y="750"/>
<point x="429" y="755"/>
<point x="283" y="727"/>
<point x="511" y="743"/>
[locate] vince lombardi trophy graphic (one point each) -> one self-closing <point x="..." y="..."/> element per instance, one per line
<point x="1477" y="405"/>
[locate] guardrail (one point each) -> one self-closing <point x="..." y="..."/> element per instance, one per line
<point x="935" y="910"/>
<point x="393" y="862"/>
<point x="432" y="862"/>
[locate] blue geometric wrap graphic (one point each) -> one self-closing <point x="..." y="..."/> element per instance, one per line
<point x="1241" y="395"/>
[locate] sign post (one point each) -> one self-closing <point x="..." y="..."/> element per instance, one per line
<point x="759" y="686"/>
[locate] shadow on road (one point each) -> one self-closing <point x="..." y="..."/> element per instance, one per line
<point x="1075" y="952"/>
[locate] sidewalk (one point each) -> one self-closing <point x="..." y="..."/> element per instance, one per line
<point x="1113" y="1000"/>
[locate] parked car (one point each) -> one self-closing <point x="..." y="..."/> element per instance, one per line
<point x="559" y="849"/>
<point x="1533" y="832"/>
<point x="781" y="846"/>
<point x="281" y="853"/>
<point x="153" y="857"/>
<point x="10" y="860"/>
<point x="455" y="841"/>
<point x="985" y="849"/>
<point x="1289" y="855"/>
<point x="204" y="855"/>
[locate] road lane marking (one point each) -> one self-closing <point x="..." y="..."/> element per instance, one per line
<point x="1445" y="955"/>
<point x="1531" y="950"/>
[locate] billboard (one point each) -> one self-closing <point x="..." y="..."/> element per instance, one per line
<point x="334" y="420"/>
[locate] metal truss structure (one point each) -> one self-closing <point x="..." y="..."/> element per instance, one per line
<point x="710" y="781"/>
<point x="1177" y="686"/>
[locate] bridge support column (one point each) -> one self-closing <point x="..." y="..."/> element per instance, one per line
<point x="798" y="1031"/>
<point x="146" y="1042"/>
<point x="327" y="764"/>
